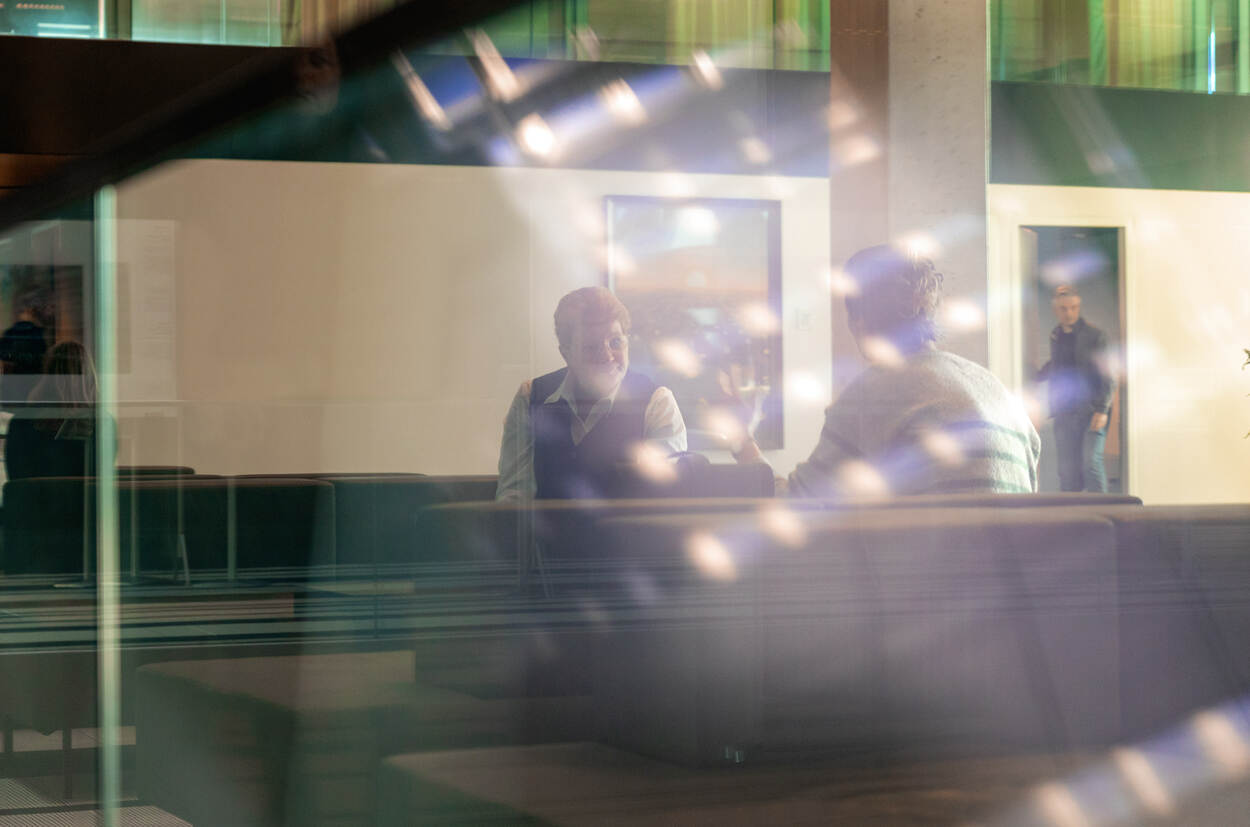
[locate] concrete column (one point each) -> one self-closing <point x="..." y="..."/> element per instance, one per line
<point x="938" y="149"/>
<point x="858" y="158"/>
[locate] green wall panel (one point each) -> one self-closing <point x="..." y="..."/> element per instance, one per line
<point x="1051" y="134"/>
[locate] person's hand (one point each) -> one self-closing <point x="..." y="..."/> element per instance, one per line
<point x="1098" y="421"/>
<point x="748" y="452"/>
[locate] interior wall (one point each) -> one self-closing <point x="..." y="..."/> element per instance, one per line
<point x="333" y="317"/>
<point x="1187" y="319"/>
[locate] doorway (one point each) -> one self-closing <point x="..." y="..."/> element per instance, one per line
<point x="1091" y="259"/>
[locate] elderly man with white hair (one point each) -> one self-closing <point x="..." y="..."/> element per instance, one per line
<point x="569" y="432"/>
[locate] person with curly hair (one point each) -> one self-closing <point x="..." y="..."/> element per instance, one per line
<point x="919" y="419"/>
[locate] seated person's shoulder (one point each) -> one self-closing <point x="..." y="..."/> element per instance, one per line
<point x="663" y="394"/>
<point x="870" y="385"/>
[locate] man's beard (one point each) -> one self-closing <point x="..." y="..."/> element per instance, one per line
<point x="603" y="382"/>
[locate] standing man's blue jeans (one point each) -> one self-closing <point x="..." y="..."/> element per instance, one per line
<point x="1079" y="451"/>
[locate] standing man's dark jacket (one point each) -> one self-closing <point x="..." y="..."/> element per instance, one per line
<point x="1078" y="382"/>
<point x="22" y="350"/>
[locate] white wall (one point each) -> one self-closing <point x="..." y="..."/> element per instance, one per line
<point x="378" y="317"/>
<point x="1187" y="318"/>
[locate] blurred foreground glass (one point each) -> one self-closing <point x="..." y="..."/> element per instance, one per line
<point x="288" y="596"/>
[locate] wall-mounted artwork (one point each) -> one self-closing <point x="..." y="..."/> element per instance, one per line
<point x="56" y="289"/>
<point x="702" y="280"/>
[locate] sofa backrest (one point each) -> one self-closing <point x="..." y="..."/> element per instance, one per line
<point x="155" y="471"/>
<point x="692" y="476"/>
<point x="1047" y="500"/>
<point x="375" y="515"/>
<point x="862" y="628"/>
<point x="236" y="525"/>
<point x="565" y="530"/>
<point x="225" y="526"/>
<point x="1183" y="617"/>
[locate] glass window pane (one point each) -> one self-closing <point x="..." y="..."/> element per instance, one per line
<point x="657" y="411"/>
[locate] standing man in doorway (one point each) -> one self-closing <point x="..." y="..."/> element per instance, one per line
<point x="1080" y="391"/>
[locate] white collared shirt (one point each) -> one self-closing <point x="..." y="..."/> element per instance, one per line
<point x="663" y="427"/>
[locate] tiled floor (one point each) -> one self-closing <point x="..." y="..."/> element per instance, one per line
<point x="37" y="802"/>
<point x="19" y="796"/>
<point x="16" y="794"/>
<point x="130" y="817"/>
<point x="47" y="792"/>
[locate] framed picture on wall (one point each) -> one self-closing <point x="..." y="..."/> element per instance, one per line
<point x="40" y="306"/>
<point x="55" y="292"/>
<point x="702" y="280"/>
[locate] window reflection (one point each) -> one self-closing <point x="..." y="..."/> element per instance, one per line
<point x="607" y="411"/>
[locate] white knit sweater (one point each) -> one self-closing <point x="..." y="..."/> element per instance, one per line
<point x="936" y="423"/>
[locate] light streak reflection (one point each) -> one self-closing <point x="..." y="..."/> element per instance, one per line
<point x="653" y="464"/>
<point x="421" y="96"/>
<point x="710" y="557"/>
<point x="1222" y="744"/>
<point x="860" y="480"/>
<point x="842" y="284"/>
<point x="587" y="43"/>
<point x="783" y="524"/>
<point x="1059" y="806"/>
<point x="755" y="151"/>
<point x="920" y="245"/>
<point x="724" y="425"/>
<point x="536" y="137"/>
<point x="679" y="357"/>
<point x="943" y="447"/>
<point x="881" y="351"/>
<point x="621" y="100"/>
<point x="705" y="70"/>
<point x="500" y="80"/>
<point x="841" y="114"/>
<point x="807" y="387"/>
<point x="1144" y="781"/>
<point x="962" y="315"/>
<point x="758" y="319"/>
<point x="856" y="149"/>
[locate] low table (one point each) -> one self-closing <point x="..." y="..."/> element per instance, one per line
<point x="592" y="784"/>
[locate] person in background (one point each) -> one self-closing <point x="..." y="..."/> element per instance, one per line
<point x="918" y="419"/>
<point x="568" y="433"/>
<point x="22" y="350"/>
<point x="1080" y="389"/>
<point x="55" y="435"/>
